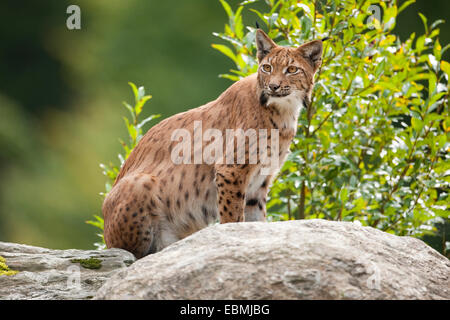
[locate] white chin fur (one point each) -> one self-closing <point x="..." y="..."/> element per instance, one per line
<point x="290" y="102"/>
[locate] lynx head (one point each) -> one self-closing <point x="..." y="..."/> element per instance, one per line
<point x="286" y="75"/>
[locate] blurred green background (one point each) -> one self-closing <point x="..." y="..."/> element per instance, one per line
<point x="61" y="94"/>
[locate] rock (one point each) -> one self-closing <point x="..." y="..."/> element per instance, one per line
<point x="308" y="259"/>
<point x="57" y="274"/>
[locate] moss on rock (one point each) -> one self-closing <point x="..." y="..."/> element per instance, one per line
<point x="90" y="263"/>
<point x="4" y="269"/>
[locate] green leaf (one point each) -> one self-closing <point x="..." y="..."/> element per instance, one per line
<point x="140" y="104"/>
<point x="238" y="25"/>
<point x="135" y="91"/>
<point x="131" y="109"/>
<point x="417" y="124"/>
<point x="225" y="50"/>
<point x="405" y="5"/>
<point x="143" y="122"/>
<point x="420" y="43"/>
<point x="445" y="66"/>
<point x="141" y="93"/>
<point x="306" y="25"/>
<point x="437" y="50"/>
<point x="424" y="20"/>
<point x="343" y="194"/>
<point x="229" y="76"/>
<point x="99" y="223"/>
<point x="436" y="23"/>
<point x="227" y="8"/>
<point x="431" y="83"/>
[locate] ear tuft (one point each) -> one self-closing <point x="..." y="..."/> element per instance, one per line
<point x="263" y="44"/>
<point x="312" y="52"/>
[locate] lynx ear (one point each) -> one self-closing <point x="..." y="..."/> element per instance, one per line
<point x="264" y="44"/>
<point x="312" y="52"/>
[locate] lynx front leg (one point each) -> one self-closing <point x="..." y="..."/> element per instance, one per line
<point x="255" y="204"/>
<point x="231" y="184"/>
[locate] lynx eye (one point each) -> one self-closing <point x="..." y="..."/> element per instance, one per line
<point x="292" y="69"/>
<point x="267" y="67"/>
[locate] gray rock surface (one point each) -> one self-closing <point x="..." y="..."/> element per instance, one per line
<point x="309" y="259"/>
<point x="55" y="274"/>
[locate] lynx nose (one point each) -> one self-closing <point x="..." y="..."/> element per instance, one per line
<point x="274" y="87"/>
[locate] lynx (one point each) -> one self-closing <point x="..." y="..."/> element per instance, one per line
<point x="155" y="201"/>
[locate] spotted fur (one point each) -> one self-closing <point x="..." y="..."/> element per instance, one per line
<point x="155" y="202"/>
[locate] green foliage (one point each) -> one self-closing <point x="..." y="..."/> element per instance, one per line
<point x="134" y="127"/>
<point x="90" y="263"/>
<point x="374" y="147"/>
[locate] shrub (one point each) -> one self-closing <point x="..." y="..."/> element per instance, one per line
<point x="374" y="145"/>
